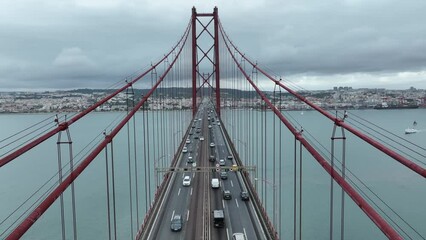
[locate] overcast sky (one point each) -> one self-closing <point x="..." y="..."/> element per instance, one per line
<point x="62" y="44"/>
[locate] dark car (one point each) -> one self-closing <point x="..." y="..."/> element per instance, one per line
<point x="227" y="195"/>
<point x="244" y="196"/>
<point x="223" y="175"/>
<point x="230" y="157"/>
<point x="212" y="158"/>
<point x="176" y="224"/>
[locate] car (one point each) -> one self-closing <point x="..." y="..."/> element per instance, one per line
<point x="190" y="133"/>
<point x="201" y="138"/>
<point x="186" y="181"/>
<point x="176" y="224"/>
<point x="218" y="123"/>
<point x="208" y="118"/>
<point x="239" y="236"/>
<point x="244" y="196"/>
<point x="193" y="126"/>
<point x="210" y="126"/>
<point x="212" y="145"/>
<point x="230" y="157"/>
<point x="184" y="149"/>
<point x="223" y="175"/>
<point x="190" y="159"/>
<point x="222" y="162"/>
<point x="227" y="195"/>
<point x="212" y="158"/>
<point x="215" y="183"/>
<point x="195" y="137"/>
<point x="188" y="141"/>
<point x="199" y="119"/>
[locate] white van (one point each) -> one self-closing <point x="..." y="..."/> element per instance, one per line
<point x="239" y="236"/>
<point x="215" y="183"/>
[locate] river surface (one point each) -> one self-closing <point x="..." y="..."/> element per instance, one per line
<point x="403" y="190"/>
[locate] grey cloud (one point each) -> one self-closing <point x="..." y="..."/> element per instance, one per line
<point x="65" y="44"/>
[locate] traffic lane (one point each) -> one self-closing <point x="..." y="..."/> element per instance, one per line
<point x="200" y="185"/>
<point x="239" y="210"/>
<point x="240" y="217"/>
<point x="216" y="203"/>
<point x="179" y="199"/>
<point x="194" y="217"/>
<point x="176" y="204"/>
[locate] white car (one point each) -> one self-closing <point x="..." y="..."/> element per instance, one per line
<point x="186" y="181"/>
<point x="239" y="236"/>
<point x="215" y="183"/>
<point x="222" y="162"/>
<point x="210" y="126"/>
<point x="184" y="150"/>
<point x="188" y="141"/>
<point x="201" y="138"/>
<point x="212" y="145"/>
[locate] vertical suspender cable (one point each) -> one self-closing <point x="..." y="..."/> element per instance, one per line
<point x="145" y="132"/>
<point x="342" y="211"/>
<point x="257" y="142"/>
<point x="265" y="167"/>
<point x="128" y="96"/>
<point x="113" y="190"/>
<point x="294" y="190"/>
<point x="150" y="114"/>
<point x="61" y="198"/>
<point x="74" y="214"/>
<point x="162" y="130"/>
<point x="107" y="192"/>
<point x="300" y="191"/>
<point x="273" y="165"/>
<point x="136" y="165"/>
<point x="280" y="183"/>
<point x="332" y="184"/>
<point x="262" y="150"/>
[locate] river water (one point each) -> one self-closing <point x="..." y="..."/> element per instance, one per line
<point x="399" y="187"/>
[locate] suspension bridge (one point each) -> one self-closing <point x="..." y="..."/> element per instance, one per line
<point x="203" y="115"/>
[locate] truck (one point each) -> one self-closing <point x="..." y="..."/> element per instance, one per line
<point x="218" y="218"/>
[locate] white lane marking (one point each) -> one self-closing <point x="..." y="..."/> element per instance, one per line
<point x="232" y="184"/>
<point x="193" y="175"/>
<point x="191" y="192"/>
<point x="244" y="230"/>
<point x="237" y="203"/>
<point x="172" y="215"/>
<point x="179" y="192"/>
<point x="223" y="203"/>
<point x="187" y="216"/>
<point x="227" y="233"/>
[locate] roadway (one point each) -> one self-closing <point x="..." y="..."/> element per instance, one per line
<point x="196" y="202"/>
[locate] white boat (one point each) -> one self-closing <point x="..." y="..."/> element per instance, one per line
<point x="410" y="130"/>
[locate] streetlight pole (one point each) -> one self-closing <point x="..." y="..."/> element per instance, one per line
<point x="274" y="203"/>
